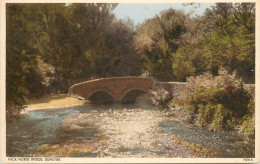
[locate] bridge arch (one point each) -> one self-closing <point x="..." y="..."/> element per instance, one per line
<point x="100" y="96"/>
<point x="131" y="94"/>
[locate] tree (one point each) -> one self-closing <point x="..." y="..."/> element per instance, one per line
<point x="231" y="44"/>
<point x="77" y="41"/>
<point x="236" y="37"/>
<point x="22" y="76"/>
<point x="157" y="39"/>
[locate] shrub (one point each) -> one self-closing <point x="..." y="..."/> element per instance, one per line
<point x="13" y="110"/>
<point x="221" y="102"/>
<point x="161" y="97"/>
<point x="207" y="80"/>
<point x="248" y="121"/>
<point x="205" y="113"/>
<point x="222" y="118"/>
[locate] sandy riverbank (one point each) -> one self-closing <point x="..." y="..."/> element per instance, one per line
<point x="51" y="101"/>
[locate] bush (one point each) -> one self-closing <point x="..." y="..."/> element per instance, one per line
<point x="221" y="102"/>
<point x="161" y="97"/>
<point x="207" y="80"/>
<point x="248" y="121"/>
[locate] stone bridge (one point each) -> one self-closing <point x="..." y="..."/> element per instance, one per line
<point x="119" y="89"/>
<point x="127" y="89"/>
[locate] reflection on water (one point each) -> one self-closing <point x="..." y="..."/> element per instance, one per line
<point x="29" y="133"/>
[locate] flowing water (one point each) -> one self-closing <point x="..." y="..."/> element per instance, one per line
<point x="114" y="130"/>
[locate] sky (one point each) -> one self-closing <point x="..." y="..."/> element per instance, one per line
<point x="138" y="12"/>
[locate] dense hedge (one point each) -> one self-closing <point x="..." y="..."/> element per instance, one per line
<point x="222" y="104"/>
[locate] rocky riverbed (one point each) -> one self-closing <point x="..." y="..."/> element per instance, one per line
<point x="139" y="130"/>
<point x="125" y="133"/>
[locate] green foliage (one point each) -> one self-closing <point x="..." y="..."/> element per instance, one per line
<point x="232" y="45"/>
<point x="173" y="46"/>
<point x="190" y="60"/>
<point x="89" y="36"/>
<point x="84" y="41"/>
<point x="77" y="41"/>
<point x="235" y="37"/>
<point x="157" y="39"/>
<point x="158" y="63"/>
<point x="224" y="105"/>
<point x="15" y="86"/>
<point x="222" y="118"/>
<point x="248" y="120"/>
<point x="22" y="77"/>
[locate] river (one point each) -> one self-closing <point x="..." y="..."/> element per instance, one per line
<point x="117" y="130"/>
